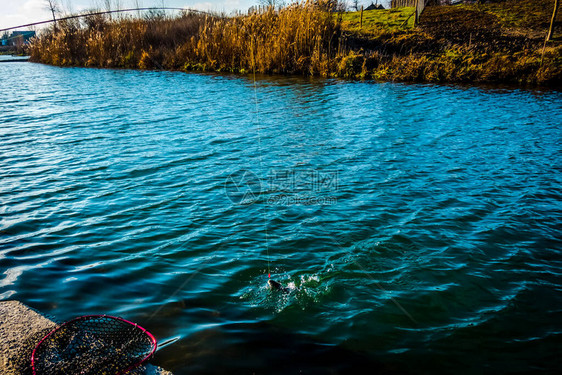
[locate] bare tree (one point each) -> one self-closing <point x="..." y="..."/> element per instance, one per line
<point x="54" y="8"/>
<point x="332" y="5"/>
<point x="66" y="7"/>
<point x="272" y="3"/>
<point x="355" y="5"/>
<point x="107" y="5"/>
<point x="138" y="4"/>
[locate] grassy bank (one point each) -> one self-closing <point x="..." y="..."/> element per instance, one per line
<point x="500" y="42"/>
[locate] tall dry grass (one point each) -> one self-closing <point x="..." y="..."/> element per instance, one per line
<point x="101" y="42"/>
<point x="300" y="38"/>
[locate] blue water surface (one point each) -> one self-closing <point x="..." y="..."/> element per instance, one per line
<point x="416" y="227"/>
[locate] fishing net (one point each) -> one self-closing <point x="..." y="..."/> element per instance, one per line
<point x="94" y="344"/>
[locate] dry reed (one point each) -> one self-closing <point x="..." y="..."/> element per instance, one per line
<point x="302" y="38"/>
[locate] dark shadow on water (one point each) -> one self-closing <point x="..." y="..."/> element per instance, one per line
<point x="260" y="348"/>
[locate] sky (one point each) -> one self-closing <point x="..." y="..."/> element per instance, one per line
<point x="20" y="12"/>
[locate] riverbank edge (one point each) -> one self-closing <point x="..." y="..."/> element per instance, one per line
<point x="511" y="85"/>
<point x="448" y="68"/>
<point x="452" y="45"/>
<point x="21" y="327"/>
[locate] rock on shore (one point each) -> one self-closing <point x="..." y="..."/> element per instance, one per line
<point x="21" y="328"/>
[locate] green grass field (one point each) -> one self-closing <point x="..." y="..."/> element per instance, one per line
<point x="378" y="21"/>
<point x="532" y="14"/>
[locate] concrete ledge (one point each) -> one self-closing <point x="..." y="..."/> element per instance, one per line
<point x="21" y="328"/>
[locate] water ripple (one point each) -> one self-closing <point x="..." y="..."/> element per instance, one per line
<point x="443" y="231"/>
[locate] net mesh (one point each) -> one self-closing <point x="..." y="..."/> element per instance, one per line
<point x="100" y="345"/>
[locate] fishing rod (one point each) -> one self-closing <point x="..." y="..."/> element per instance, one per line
<point x="104" y="12"/>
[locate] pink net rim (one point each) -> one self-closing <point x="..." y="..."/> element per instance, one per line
<point x="85" y="317"/>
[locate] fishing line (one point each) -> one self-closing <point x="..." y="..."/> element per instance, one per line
<point x="102" y="13"/>
<point x="264" y="213"/>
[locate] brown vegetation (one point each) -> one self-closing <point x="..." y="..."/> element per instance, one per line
<point x="477" y="43"/>
<point x="300" y="38"/>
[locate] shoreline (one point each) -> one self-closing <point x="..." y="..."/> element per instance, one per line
<point x="22" y="328"/>
<point x="468" y="44"/>
<point x="460" y="85"/>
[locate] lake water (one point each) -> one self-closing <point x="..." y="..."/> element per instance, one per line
<point x="417" y="228"/>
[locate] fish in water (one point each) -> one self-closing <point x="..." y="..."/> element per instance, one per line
<point x="274" y="285"/>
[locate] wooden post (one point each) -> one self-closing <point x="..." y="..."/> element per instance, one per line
<point x="362" y="17"/>
<point x="549" y="35"/>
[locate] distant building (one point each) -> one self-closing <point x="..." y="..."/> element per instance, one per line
<point x="4" y="38"/>
<point x="18" y="37"/>
<point x="373" y="6"/>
